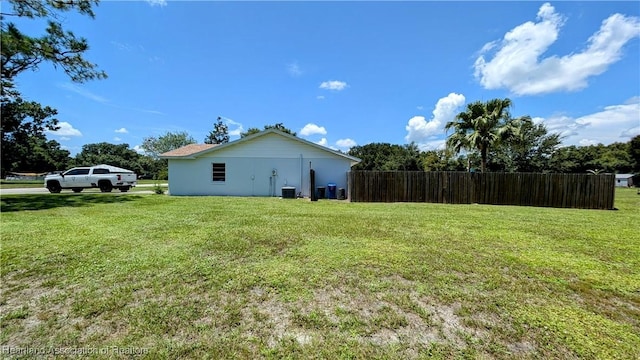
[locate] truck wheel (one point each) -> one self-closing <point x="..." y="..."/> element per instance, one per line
<point x="77" y="190"/>
<point x="124" y="189"/>
<point x="54" y="187"/>
<point x="105" y="186"/>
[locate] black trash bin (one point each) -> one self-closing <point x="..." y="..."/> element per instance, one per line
<point x="331" y="190"/>
<point x="321" y="192"/>
<point x="341" y="194"/>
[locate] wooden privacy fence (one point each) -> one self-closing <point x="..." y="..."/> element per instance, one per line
<point x="583" y="191"/>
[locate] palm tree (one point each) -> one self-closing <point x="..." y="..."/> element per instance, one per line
<point x="481" y="127"/>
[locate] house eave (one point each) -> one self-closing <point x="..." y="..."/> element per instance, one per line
<point x="354" y="160"/>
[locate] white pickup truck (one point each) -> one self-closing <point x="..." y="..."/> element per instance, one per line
<point x="104" y="177"/>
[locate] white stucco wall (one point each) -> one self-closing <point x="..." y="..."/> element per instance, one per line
<point x="250" y="165"/>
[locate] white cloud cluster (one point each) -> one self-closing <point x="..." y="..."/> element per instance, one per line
<point x="615" y="123"/>
<point x="139" y="150"/>
<point x="122" y="46"/>
<point x="161" y="3"/>
<point x="122" y="131"/>
<point x="517" y="64"/>
<point x="294" y="69"/>
<point x="425" y="132"/>
<point x="334" y="85"/>
<point x="346" y="143"/>
<point x="311" y="129"/>
<point x="238" y="126"/>
<point x="65" y="130"/>
<point x="83" y="92"/>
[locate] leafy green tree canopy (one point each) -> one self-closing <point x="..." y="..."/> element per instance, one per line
<point x="278" y="126"/>
<point x="529" y="150"/>
<point x="219" y="134"/>
<point x="387" y="157"/>
<point x="105" y="153"/>
<point x="442" y="160"/>
<point x="482" y="126"/>
<point x="634" y="152"/>
<point x="60" y="47"/>
<point x="24" y="143"/>
<point x="154" y="146"/>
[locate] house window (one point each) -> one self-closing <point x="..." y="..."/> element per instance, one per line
<point x="219" y="173"/>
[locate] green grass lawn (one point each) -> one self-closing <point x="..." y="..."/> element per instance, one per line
<point x="210" y="277"/>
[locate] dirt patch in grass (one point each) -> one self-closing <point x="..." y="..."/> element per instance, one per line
<point x="26" y="304"/>
<point x="363" y="317"/>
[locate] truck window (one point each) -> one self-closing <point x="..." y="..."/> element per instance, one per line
<point x="100" y="171"/>
<point x="77" y="172"/>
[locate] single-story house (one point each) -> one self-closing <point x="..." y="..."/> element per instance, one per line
<point x="256" y="165"/>
<point x="624" y="180"/>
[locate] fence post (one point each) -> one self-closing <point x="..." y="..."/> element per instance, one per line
<point x="312" y="181"/>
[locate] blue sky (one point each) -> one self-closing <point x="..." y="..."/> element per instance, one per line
<point x="342" y="74"/>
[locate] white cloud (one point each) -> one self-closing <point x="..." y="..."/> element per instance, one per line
<point x="346" y="143"/>
<point x="117" y="139"/>
<point x="323" y="142"/>
<point x="65" y="130"/>
<point x="122" y="46"/>
<point x="311" y="129"/>
<point x="232" y="123"/>
<point x="122" y="131"/>
<point x="588" y="142"/>
<point x="89" y="95"/>
<point x="518" y="65"/>
<point x="615" y="123"/>
<point x="420" y="130"/>
<point x="161" y="3"/>
<point x="633" y="100"/>
<point x="631" y="132"/>
<point x="83" y="92"/>
<point x="149" y="111"/>
<point x="438" y="144"/>
<point x="156" y="60"/>
<point x="64" y="138"/>
<point x="139" y="150"/>
<point x="333" y="85"/>
<point x="294" y="69"/>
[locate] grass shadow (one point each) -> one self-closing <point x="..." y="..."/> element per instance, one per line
<point x="10" y="203"/>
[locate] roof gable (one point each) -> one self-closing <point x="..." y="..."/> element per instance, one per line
<point x="187" y="150"/>
<point x="191" y="151"/>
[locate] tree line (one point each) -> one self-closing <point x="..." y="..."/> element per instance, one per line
<point x="485" y="137"/>
<point x="614" y="158"/>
